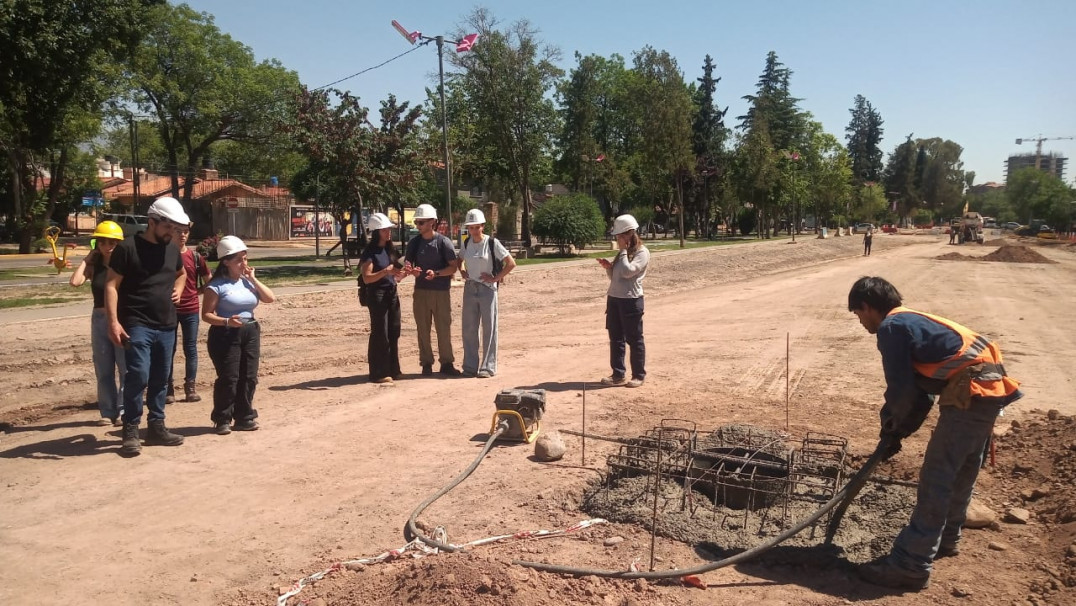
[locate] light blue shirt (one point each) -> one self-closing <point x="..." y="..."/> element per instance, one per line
<point x="234" y="298"/>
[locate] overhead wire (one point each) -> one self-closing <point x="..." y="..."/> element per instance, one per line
<point x="382" y="64"/>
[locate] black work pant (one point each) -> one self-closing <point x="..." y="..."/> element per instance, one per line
<point x="867" y="246"/>
<point x="624" y="321"/>
<point x="235" y="353"/>
<point x="383" y="351"/>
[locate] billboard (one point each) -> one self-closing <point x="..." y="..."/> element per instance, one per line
<point x="305" y="224"/>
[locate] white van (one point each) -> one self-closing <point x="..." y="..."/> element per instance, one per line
<point x="130" y="224"/>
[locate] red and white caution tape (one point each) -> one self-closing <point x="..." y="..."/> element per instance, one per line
<point x="418" y="549"/>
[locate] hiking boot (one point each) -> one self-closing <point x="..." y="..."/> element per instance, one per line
<point x="634" y="383"/>
<point x="158" y="435"/>
<point x="222" y="429"/>
<point x="886" y="574"/>
<point x="427" y="370"/>
<point x="450" y="370"/>
<point x="947" y="551"/>
<point x="131" y="445"/>
<point x="614" y="380"/>
<point x="190" y="392"/>
<point x="171" y="397"/>
<point x="250" y="425"/>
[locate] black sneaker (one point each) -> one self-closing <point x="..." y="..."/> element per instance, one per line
<point x="222" y="429"/>
<point x="427" y="370"/>
<point x="450" y="370"/>
<point x="250" y="425"/>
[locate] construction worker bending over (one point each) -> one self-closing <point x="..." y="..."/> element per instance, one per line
<point x="922" y="356"/>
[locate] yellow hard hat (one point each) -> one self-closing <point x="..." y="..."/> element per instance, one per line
<point x="108" y="229"/>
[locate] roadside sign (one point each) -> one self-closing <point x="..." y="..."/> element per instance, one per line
<point x="232" y="203"/>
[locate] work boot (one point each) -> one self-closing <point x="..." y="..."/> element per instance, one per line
<point x="450" y="370"/>
<point x="887" y="574"/>
<point x="158" y="435"/>
<point x="427" y="370"/>
<point x="171" y="397"/>
<point x="248" y="425"/>
<point x="191" y="393"/>
<point x="131" y="445"/>
<point x="947" y="550"/>
<point x="614" y="380"/>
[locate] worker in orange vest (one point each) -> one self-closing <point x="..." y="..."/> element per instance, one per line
<point x="924" y="356"/>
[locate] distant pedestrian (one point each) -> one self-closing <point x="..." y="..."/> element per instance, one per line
<point x="624" y="303"/>
<point x="234" y="341"/>
<point x="486" y="262"/>
<point x="145" y="281"/>
<point x="107" y="358"/>
<point x="952" y="234"/>
<point x="433" y="261"/>
<point x="380" y="271"/>
<point x="868" y="236"/>
<point x="197" y="275"/>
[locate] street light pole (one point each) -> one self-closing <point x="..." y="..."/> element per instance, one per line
<point x="444" y="132"/>
<point x="317" y="215"/>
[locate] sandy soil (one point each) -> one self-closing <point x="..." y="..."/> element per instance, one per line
<point x="339" y="463"/>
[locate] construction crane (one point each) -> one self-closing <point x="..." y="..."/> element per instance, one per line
<point x="1038" y="146"/>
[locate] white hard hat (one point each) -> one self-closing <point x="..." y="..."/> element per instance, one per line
<point x="229" y="245"/>
<point x="474" y="217"/>
<point x="378" y="221"/>
<point x="425" y="211"/>
<point x="624" y="223"/>
<point x="170" y="209"/>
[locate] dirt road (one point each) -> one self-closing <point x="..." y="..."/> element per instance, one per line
<point x="340" y="463"/>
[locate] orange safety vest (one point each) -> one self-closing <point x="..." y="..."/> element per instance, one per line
<point x="975" y="349"/>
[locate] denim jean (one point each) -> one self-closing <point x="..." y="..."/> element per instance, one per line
<point x="147" y="370"/>
<point x="189" y="324"/>
<point x="950" y="466"/>
<point x="382" y="351"/>
<point x="107" y="362"/>
<point x="479" y="306"/>
<point x="235" y="353"/>
<point x="624" y="321"/>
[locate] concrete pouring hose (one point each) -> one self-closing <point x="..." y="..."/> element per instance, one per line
<point x="411" y="530"/>
<point x="842" y="498"/>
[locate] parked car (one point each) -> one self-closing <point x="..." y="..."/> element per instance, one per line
<point x="889" y="228"/>
<point x="861" y="228"/>
<point x="131" y="224"/>
<point x="1010" y="225"/>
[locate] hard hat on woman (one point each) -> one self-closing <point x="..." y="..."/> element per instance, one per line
<point x="624" y="223"/>
<point x="229" y="245"/>
<point x="109" y="230"/>
<point x="378" y="221"/>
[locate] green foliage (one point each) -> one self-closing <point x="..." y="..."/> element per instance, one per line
<point x="569" y="220"/>
<point x="645" y="216"/>
<point x="202" y="87"/>
<point x="747" y="221"/>
<point x="505" y="79"/>
<point x="864" y="138"/>
<point x="1034" y="194"/>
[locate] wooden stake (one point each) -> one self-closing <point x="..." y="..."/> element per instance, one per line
<point x="583" y="459"/>
<point x="788" y="382"/>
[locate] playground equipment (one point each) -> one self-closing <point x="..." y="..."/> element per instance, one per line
<point x="58" y="260"/>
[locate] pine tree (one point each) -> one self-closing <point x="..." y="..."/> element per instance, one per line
<point x="864" y="139"/>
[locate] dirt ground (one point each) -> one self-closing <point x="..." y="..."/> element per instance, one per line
<point x="339" y="463"/>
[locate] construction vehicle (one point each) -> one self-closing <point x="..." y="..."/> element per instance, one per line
<point x="971" y="228"/>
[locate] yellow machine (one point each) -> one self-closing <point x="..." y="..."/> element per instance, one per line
<point x="59" y="260"/>
<point x="522" y="409"/>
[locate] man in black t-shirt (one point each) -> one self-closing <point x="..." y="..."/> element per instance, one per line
<point x="145" y="281"/>
<point x="433" y="262"/>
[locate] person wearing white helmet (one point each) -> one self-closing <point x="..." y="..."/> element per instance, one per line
<point x="624" y="303"/>
<point x="145" y="281"/>
<point x="485" y="264"/>
<point x="433" y="262"/>
<point x="379" y="272"/>
<point x="234" y="341"/>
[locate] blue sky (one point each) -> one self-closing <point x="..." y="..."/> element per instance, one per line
<point x="979" y="72"/>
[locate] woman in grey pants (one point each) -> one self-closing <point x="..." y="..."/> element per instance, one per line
<point x="624" y="303"/>
<point x="485" y="264"/>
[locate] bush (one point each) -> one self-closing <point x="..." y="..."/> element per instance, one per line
<point x="569" y="220"/>
<point x="747" y="221"/>
<point x="208" y="247"/>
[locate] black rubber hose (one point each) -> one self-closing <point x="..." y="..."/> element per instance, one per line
<point x="411" y="531"/>
<point x="841" y="496"/>
<point x="852" y="488"/>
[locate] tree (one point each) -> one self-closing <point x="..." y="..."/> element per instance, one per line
<point x="665" y="105"/>
<point x="1034" y="194"/>
<point x="58" y="61"/>
<point x="864" y="136"/>
<point x="942" y="179"/>
<point x="828" y="173"/>
<point x="708" y="143"/>
<point x="506" y="78"/>
<point x="203" y="87"/>
<point x="900" y="177"/>
<point x="569" y="220"/>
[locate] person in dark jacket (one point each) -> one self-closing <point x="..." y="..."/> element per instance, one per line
<point x="922" y="356"/>
<point x="380" y="271"/>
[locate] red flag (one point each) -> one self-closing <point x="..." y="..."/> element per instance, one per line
<point x="466" y="43"/>
<point x="599" y="158"/>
